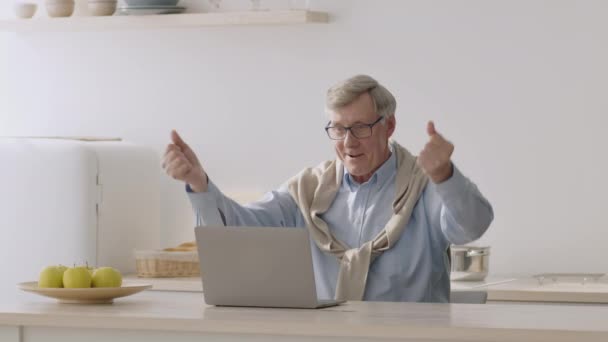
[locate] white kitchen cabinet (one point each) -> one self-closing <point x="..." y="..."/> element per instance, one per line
<point x="9" y="333"/>
<point x="185" y="20"/>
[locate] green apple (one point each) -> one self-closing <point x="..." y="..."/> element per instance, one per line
<point x="77" y="277"/>
<point x="51" y="276"/>
<point x="107" y="277"/>
<point x="90" y="268"/>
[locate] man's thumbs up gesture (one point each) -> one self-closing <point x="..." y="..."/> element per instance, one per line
<point x="181" y="163"/>
<point x="434" y="159"/>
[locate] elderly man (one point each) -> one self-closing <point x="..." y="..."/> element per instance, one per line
<point x="380" y="220"/>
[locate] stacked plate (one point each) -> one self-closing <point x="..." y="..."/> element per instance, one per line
<point x="147" y="7"/>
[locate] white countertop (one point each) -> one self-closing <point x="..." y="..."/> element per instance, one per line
<point x="183" y="284"/>
<point x="194" y="284"/>
<point x="186" y="312"/>
<point x="498" y="288"/>
<point x="480" y="285"/>
<point x="529" y="289"/>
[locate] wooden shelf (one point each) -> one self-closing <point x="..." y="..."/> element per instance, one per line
<point x="184" y="20"/>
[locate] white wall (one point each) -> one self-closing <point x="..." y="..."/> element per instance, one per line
<point x="518" y="86"/>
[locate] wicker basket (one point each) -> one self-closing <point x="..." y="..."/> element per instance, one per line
<point x="157" y="264"/>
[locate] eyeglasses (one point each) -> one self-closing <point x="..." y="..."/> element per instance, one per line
<point x="359" y="131"/>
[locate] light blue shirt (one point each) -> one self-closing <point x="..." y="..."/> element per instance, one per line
<point x="415" y="269"/>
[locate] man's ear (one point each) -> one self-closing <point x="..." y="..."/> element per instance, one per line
<point x="391" y="122"/>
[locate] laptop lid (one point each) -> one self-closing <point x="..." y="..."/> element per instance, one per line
<point x="256" y="266"/>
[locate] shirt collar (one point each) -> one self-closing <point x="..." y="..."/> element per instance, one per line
<point x="381" y="175"/>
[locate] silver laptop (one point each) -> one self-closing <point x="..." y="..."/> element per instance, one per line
<point x="257" y="266"/>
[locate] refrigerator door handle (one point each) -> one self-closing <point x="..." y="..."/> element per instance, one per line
<point x="99" y="194"/>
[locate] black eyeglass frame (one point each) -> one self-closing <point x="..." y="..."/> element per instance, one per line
<point x="347" y="129"/>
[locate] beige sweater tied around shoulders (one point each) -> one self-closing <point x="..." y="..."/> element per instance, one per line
<point x="314" y="190"/>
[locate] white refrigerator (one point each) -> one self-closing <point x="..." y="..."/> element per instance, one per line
<point x="75" y="201"/>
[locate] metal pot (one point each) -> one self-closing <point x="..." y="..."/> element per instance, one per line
<point x="469" y="263"/>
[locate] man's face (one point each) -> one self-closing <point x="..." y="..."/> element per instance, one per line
<point x="362" y="157"/>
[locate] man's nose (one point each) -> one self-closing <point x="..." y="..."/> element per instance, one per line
<point x="350" y="139"/>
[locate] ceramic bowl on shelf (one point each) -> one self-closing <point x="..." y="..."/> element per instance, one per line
<point x="25" y="10"/>
<point x="102" y="7"/>
<point x="59" y="8"/>
<point x="151" y="2"/>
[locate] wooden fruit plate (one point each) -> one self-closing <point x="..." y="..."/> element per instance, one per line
<point x="94" y="295"/>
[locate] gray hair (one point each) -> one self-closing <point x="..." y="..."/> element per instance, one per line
<point x="345" y="92"/>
